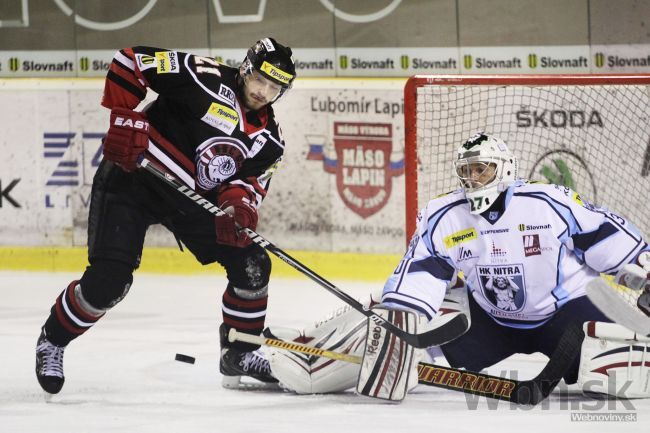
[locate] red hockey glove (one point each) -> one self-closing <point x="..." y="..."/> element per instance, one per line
<point x="127" y="138"/>
<point x="235" y="201"/>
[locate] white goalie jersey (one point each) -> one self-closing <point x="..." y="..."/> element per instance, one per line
<point x="520" y="264"/>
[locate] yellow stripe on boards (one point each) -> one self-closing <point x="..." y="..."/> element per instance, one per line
<point x="331" y="266"/>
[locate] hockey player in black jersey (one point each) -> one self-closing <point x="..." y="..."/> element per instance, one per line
<point x="213" y="127"/>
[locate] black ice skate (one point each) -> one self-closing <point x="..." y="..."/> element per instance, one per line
<point x="49" y="364"/>
<point x="234" y="364"/>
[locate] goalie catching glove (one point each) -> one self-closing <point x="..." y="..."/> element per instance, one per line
<point x="636" y="276"/>
<point x="127" y="138"/>
<point x="237" y="203"/>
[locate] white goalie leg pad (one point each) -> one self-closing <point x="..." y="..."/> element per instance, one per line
<point x="614" y="361"/>
<point x="388" y="361"/>
<point x="343" y="330"/>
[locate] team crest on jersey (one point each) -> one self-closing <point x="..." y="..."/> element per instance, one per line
<point x="217" y="160"/>
<point x="361" y="160"/>
<point x="503" y="286"/>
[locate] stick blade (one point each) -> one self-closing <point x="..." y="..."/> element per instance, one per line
<point x="611" y="301"/>
<point x="446" y="332"/>
<point x="532" y="392"/>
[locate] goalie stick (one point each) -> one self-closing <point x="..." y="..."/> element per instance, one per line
<point x="447" y="332"/>
<point x="525" y="392"/>
<point x="610" y="299"/>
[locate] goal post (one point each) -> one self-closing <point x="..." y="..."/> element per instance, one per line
<point x="588" y="132"/>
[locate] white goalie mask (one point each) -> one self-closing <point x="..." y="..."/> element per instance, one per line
<point x="485" y="168"/>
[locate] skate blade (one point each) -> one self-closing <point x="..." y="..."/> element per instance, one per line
<point x="236" y="382"/>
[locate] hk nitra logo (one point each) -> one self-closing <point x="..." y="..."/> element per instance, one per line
<point x="503" y="286"/>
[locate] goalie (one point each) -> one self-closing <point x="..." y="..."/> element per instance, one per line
<point x="527" y="252"/>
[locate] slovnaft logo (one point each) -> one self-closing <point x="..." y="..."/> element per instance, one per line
<point x="362" y="165"/>
<point x="35" y="66"/>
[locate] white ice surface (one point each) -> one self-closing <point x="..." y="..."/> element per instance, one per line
<point x="121" y="375"/>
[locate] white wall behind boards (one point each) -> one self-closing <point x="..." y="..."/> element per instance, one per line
<point x="339" y="188"/>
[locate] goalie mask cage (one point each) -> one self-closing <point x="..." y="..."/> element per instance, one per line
<point x="588" y="132"/>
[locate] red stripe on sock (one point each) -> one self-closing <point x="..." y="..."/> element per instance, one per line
<point x="62" y="317"/>
<point x="76" y="308"/>
<point x="249" y="304"/>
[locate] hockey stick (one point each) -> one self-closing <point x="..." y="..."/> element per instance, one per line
<point x="527" y="392"/>
<point x="447" y="332"/>
<point x="610" y="299"/>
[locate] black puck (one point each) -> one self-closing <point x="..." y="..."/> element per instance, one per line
<point x="185" y="358"/>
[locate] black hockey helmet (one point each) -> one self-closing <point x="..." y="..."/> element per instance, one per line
<point x="273" y="60"/>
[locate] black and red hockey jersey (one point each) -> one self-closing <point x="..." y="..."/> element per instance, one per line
<point x="199" y="130"/>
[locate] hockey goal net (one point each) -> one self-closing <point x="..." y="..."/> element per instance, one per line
<point x="587" y="132"/>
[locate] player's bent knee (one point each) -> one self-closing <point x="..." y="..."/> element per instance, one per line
<point x="104" y="284"/>
<point x="251" y="272"/>
<point x="612" y="361"/>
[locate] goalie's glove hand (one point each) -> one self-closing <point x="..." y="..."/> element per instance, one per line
<point x="643" y="302"/>
<point x="127" y="138"/>
<point x="235" y="201"/>
<point x="636" y="275"/>
<point x="643" y="260"/>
